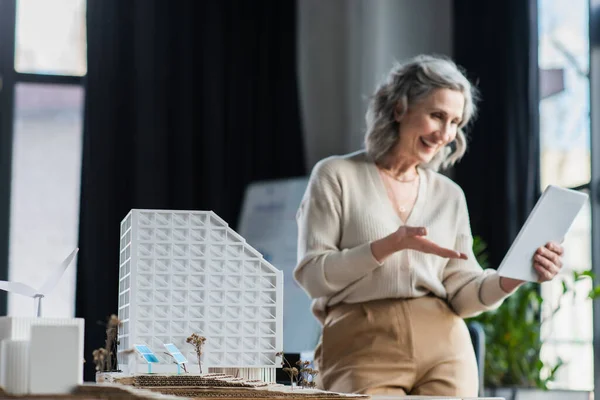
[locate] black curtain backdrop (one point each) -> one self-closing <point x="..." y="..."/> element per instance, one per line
<point x="497" y="43"/>
<point x="187" y="102"/>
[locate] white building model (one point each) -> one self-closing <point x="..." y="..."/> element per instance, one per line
<point x="184" y="272"/>
<point x="41" y="355"/>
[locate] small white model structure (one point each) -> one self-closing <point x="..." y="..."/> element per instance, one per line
<point x="184" y="272"/>
<point x="41" y="355"/>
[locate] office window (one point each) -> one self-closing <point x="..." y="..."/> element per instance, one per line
<point x="50" y="37"/>
<point x="47" y="129"/>
<point x="46" y="173"/>
<point x="565" y="161"/>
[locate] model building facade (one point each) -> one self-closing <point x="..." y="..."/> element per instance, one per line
<point x="184" y="272"/>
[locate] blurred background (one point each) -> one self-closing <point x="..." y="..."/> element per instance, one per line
<point x="109" y="105"/>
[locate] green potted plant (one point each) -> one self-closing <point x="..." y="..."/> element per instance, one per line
<point x="512" y="334"/>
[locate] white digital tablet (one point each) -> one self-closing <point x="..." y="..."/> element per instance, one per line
<point x="550" y="220"/>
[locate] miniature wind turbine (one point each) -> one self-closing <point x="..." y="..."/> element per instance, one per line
<point x="45" y="289"/>
<point x="147" y="354"/>
<point x="177" y="356"/>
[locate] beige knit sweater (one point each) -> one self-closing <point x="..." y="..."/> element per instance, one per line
<point x="346" y="207"/>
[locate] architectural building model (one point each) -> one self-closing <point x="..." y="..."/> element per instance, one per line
<point x="185" y="272"/>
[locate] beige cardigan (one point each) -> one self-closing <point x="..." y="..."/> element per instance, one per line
<point x="346" y="207"/>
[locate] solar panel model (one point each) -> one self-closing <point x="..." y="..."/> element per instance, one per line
<point x="147" y="354"/>
<point x="176" y="354"/>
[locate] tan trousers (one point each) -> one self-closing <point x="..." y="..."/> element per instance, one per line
<point x="397" y="347"/>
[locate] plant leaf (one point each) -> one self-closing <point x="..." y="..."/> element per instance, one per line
<point x="594" y="292"/>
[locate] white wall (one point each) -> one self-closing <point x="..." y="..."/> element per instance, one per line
<point x="344" y="48"/>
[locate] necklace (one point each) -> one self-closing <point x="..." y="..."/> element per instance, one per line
<point x="401" y="208"/>
<point x="414" y="178"/>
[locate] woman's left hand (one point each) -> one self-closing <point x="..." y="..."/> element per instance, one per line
<point x="548" y="261"/>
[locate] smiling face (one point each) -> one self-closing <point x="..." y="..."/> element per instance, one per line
<point x="429" y="125"/>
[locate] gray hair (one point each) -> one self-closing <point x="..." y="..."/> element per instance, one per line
<point x="407" y="84"/>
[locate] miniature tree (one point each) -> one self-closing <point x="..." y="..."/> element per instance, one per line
<point x="198" y="342"/>
<point x="105" y="357"/>
<point x="100" y="359"/>
<point x="292" y="372"/>
<point x="112" y="331"/>
<point x="307" y="375"/>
